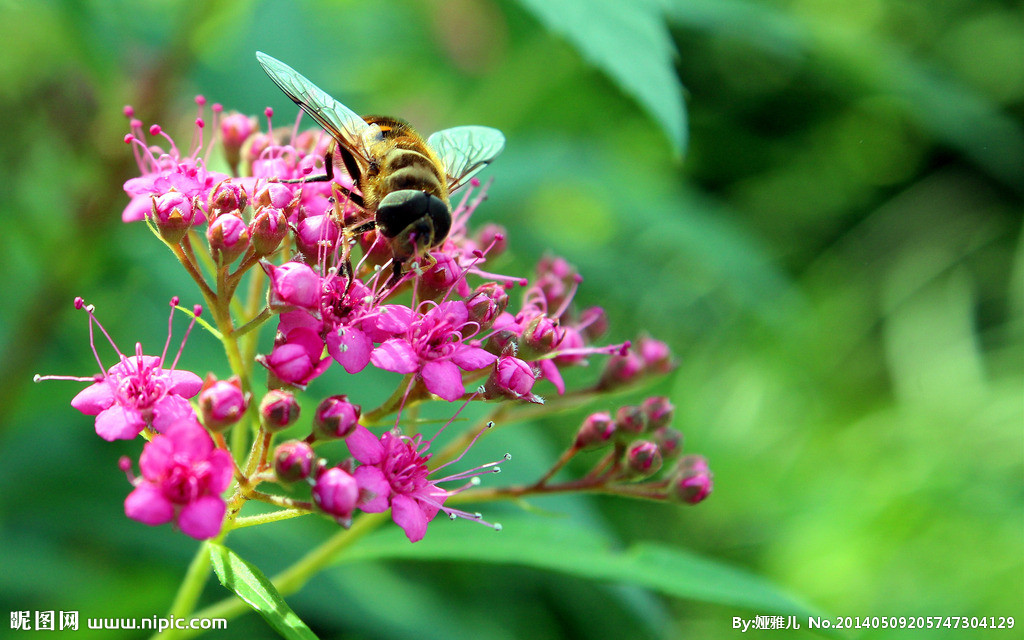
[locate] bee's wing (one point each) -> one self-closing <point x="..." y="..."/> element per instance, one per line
<point x="344" y="125"/>
<point x="465" y="150"/>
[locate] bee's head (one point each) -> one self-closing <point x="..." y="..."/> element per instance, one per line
<point x="413" y="222"/>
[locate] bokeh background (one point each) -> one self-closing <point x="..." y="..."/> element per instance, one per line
<point x="817" y="204"/>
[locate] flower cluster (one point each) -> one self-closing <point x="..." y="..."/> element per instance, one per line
<point x="265" y="245"/>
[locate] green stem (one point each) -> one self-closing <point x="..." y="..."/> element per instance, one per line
<point x="293" y="578"/>
<point x="192" y="584"/>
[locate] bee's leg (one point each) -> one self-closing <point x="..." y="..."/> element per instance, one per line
<point x="350" y="163"/>
<point x="396" y="274"/>
<point x="326" y="177"/>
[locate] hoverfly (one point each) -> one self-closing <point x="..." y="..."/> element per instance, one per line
<point x="404" y="181"/>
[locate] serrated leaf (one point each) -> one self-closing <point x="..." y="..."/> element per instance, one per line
<point x="256" y="590"/>
<point x="630" y="42"/>
<point x="561" y="547"/>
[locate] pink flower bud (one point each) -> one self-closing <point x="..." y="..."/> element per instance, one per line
<point x="540" y="337"/>
<point x="314" y="233"/>
<point x="227" y="197"/>
<point x="656" y="355"/>
<point x="692" y="481"/>
<point x="293" y="461"/>
<point x="630" y="421"/>
<point x="487" y="303"/>
<point x="296" y="360"/>
<point x="229" y="237"/>
<point x="492" y="238"/>
<point x="173" y="214"/>
<point x="501" y="342"/>
<point x="268" y="229"/>
<point x="621" y="370"/>
<point x="336" y="494"/>
<point x="659" y="412"/>
<point x="235" y="129"/>
<point x="669" y="441"/>
<point x="336" y="417"/>
<point x="293" y="284"/>
<point x="444" y="275"/>
<point x="593" y="323"/>
<point x="222" y="403"/>
<point x="643" y="459"/>
<point x="277" y="195"/>
<point x="597" y="430"/>
<point x="511" y="378"/>
<point x="278" y="410"/>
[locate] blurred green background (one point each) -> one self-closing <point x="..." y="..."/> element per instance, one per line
<point x="829" y="237"/>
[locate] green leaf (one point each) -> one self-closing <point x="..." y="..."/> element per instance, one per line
<point x="256" y="590"/>
<point x="630" y="42"/>
<point x="560" y="547"/>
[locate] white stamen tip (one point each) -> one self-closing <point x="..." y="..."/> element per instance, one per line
<point x="478" y="515"/>
<point x="480" y="389"/>
<point x="490" y="424"/>
<point x="508" y="456"/>
<point x="452" y="516"/>
<point x="497" y="526"/>
<point x="37" y="378"/>
<point x="496" y="470"/>
<point x="475" y="481"/>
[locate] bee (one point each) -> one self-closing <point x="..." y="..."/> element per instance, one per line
<point x="404" y="181"/>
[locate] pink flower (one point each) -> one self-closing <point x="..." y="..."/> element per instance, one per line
<point x="164" y="171"/>
<point x="137" y="392"/>
<point x="293" y="284"/>
<point x="394" y="474"/>
<point x="433" y="348"/>
<point x="296" y="359"/>
<point x="182" y="477"/>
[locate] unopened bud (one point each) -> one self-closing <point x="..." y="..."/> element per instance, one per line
<point x="277" y="195"/>
<point x="487" y="303"/>
<point x="597" y="430"/>
<point x="313" y="234"/>
<point x="539" y="338"/>
<point x="511" y="378"/>
<point x="235" y="129"/>
<point x="173" y="214"/>
<point x="630" y="421"/>
<point x="336" y="417"/>
<point x="621" y="370"/>
<point x="268" y="228"/>
<point x="669" y="440"/>
<point x="293" y="284"/>
<point x="222" y="403"/>
<point x="293" y="461"/>
<point x="643" y="459"/>
<point x="657" y="357"/>
<point x="229" y="237"/>
<point x="336" y="494"/>
<point x="659" y="412"/>
<point x="501" y="341"/>
<point x="278" y="410"/>
<point x="227" y="197"/>
<point x="692" y="480"/>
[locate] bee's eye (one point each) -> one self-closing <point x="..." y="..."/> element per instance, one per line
<point x="441" y="216"/>
<point x="399" y="209"/>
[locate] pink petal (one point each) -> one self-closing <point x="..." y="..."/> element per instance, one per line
<point x="221" y="470"/>
<point x="372" y="483"/>
<point x="183" y="383"/>
<point x="351" y="348"/>
<point x="148" y="505"/>
<point x="395" y="355"/>
<point x="470" y="358"/>
<point x="430" y="498"/>
<point x="157" y="458"/>
<point x="443" y="379"/>
<point x="171" y="410"/>
<point x="407" y="514"/>
<point x="453" y="311"/>
<point x="190" y="440"/>
<point x="94" y="398"/>
<point x="117" y="423"/>
<point x="203" y="518"/>
<point x="364" y="446"/>
<point x="549" y="371"/>
<point x="394" y="318"/>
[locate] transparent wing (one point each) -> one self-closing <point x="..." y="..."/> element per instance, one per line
<point x="344" y="125"/>
<point x="465" y="150"/>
